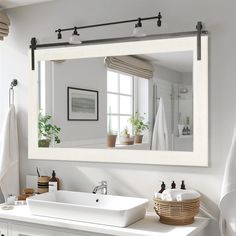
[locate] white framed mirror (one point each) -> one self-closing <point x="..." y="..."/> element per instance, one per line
<point x="143" y="102"/>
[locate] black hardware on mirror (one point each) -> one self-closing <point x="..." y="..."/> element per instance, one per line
<point x="199" y="32"/>
<point x="33" y="48"/>
<point x="74" y="40"/>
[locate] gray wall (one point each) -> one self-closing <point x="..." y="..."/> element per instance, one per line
<point x="182" y="15"/>
<point x="86" y="74"/>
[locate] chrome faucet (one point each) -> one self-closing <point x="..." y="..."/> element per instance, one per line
<point x="102" y="187"/>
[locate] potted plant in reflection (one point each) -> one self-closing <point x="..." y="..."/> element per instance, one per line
<point x="126" y="139"/>
<point x="139" y="126"/>
<point x="111" y="135"/>
<point x="46" y="131"/>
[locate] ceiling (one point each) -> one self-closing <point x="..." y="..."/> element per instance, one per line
<point x="17" y="3"/>
<point x="178" y="61"/>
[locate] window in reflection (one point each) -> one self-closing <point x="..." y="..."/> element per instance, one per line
<point x="120" y="102"/>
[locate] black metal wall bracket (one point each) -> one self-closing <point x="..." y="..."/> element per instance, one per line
<point x="14" y="83"/>
<point x="33" y="47"/>
<point x="199" y="43"/>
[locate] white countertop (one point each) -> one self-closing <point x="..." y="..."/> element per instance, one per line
<point x="149" y="226"/>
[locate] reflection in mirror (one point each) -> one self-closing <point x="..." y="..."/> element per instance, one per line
<point x="138" y="102"/>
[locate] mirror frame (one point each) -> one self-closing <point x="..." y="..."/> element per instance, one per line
<point x="199" y="156"/>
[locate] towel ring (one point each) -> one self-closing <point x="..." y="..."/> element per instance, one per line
<point x="11" y="92"/>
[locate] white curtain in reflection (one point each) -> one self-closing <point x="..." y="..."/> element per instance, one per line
<point x="131" y="65"/>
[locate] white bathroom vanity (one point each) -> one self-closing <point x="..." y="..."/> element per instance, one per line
<point x="19" y="222"/>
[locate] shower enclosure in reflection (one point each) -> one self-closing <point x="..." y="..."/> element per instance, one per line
<point x="178" y="103"/>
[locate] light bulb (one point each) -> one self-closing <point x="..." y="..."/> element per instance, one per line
<point x="138" y="32"/>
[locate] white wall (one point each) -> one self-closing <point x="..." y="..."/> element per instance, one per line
<point x="187" y="78"/>
<point x="167" y="74"/>
<point x="182" y="15"/>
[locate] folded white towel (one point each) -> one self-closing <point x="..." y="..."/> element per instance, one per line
<point x="179" y="195"/>
<point x="157" y="195"/>
<point x="189" y="195"/>
<point x="170" y="194"/>
<point x="9" y="155"/>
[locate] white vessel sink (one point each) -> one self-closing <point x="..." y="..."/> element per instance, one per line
<point x="87" y="207"/>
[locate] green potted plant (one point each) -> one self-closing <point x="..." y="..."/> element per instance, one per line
<point x="125" y="133"/>
<point x="139" y="127"/>
<point x="111" y="135"/>
<point x="46" y="131"/>
<point x="125" y="137"/>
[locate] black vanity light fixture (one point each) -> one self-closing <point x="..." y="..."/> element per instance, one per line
<point x="138" y="34"/>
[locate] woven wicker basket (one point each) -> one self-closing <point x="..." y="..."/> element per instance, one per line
<point x="177" y="213"/>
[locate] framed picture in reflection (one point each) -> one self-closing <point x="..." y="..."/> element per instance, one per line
<point x="82" y="104"/>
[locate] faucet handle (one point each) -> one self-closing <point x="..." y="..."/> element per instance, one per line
<point x="103" y="182"/>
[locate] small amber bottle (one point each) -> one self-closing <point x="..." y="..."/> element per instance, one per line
<point x="53" y="182"/>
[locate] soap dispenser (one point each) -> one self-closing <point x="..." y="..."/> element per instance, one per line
<point x="173" y="185"/>
<point x="163" y="187"/>
<point x="182" y="185"/>
<point x="53" y="182"/>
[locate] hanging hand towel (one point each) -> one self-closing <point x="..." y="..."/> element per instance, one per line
<point x="160" y="133"/>
<point x="228" y="193"/>
<point x="9" y="155"/>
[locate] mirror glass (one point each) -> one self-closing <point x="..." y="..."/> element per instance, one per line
<point x="138" y="102"/>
